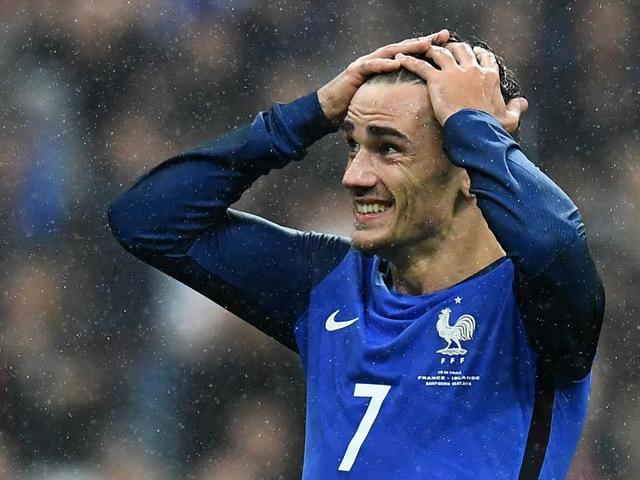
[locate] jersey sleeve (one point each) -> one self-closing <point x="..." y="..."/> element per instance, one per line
<point x="177" y="218"/>
<point x="559" y="292"/>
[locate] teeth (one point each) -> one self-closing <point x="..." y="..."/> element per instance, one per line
<point x="370" y="207"/>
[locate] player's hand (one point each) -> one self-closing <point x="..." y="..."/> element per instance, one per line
<point x="336" y="95"/>
<point x="468" y="78"/>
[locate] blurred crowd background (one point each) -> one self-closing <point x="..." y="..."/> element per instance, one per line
<point x="108" y="369"/>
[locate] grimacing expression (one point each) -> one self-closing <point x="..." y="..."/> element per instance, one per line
<point x="403" y="186"/>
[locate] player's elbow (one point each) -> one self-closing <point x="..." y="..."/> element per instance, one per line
<point x="122" y="226"/>
<point x="558" y="236"/>
<point x="145" y="233"/>
<point x="127" y="227"/>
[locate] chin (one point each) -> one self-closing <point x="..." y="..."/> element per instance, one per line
<point x="369" y="244"/>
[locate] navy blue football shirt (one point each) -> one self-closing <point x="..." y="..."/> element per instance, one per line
<point x="488" y="378"/>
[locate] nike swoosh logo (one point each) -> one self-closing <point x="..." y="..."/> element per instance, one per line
<point x="331" y="325"/>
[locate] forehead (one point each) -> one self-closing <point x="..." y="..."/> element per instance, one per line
<point x="404" y="106"/>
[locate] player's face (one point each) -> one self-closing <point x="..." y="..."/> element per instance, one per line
<point x="403" y="186"/>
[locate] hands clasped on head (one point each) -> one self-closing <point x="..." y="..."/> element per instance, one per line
<point x="457" y="75"/>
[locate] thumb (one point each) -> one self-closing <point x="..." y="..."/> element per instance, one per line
<point x="517" y="106"/>
<point x="514" y="110"/>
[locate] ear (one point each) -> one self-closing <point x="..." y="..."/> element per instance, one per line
<point x="465" y="186"/>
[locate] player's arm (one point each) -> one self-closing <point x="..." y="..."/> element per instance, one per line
<point x="558" y="289"/>
<point x="177" y="216"/>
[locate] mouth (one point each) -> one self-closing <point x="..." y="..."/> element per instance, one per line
<point x="370" y="210"/>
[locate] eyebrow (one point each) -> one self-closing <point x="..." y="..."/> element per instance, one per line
<point x="347" y="126"/>
<point x="375" y="131"/>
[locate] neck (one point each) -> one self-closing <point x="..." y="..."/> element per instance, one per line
<point x="462" y="249"/>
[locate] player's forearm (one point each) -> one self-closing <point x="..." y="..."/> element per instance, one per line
<point x="166" y="209"/>
<point x="560" y="294"/>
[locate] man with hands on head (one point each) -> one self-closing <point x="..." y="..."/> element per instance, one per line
<point x="453" y="335"/>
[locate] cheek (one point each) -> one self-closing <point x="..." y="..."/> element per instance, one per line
<point x="425" y="203"/>
<point x="413" y="202"/>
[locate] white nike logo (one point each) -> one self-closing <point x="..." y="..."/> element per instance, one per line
<point x="331" y="324"/>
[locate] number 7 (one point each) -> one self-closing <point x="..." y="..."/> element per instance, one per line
<point x="377" y="393"/>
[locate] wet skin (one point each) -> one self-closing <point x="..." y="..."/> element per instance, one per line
<point x="397" y="168"/>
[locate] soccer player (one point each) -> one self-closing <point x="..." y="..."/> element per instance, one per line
<point x="453" y="335"/>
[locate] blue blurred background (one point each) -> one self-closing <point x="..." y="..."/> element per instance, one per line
<point x="109" y="370"/>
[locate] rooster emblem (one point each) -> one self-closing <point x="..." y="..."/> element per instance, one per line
<point x="461" y="331"/>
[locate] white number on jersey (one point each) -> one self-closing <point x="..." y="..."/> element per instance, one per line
<point x="377" y="393"/>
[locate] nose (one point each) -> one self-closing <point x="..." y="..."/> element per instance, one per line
<point x="359" y="174"/>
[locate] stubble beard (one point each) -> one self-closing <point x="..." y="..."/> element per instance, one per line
<point x="375" y="246"/>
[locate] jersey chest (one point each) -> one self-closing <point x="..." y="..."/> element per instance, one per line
<point x="420" y="373"/>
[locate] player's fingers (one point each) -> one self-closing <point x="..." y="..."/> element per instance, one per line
<point x="463" y="53"/>
<point x="377" y="65"/>
<point x="439" y="38"/>
<point x="486" y="59"/>
<point x="417" y="66"/>
<point x="442" y="57"/>
<point x="409" y="47"/>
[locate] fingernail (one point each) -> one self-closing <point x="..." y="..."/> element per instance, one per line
<point x="399" y="56"/>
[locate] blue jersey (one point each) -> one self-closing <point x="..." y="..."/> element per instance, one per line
<point x="487" y="378"/>
<point x="434" y="386"/>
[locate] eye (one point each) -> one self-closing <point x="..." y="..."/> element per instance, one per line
<point x="353" y="145"/>
<point x="389" y="149"/>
